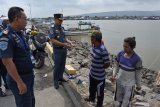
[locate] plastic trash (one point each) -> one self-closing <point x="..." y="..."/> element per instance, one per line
<point x="45" y="75"/>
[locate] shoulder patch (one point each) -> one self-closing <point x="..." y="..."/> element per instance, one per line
<point x="51" y="31"/>
<point x="57" y="31"/>
<point x="3" y="45"/>
<point x="5" y="32"/>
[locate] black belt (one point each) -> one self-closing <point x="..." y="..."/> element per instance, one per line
<point x="25" y="73"/>
<point x="58" y="48"/>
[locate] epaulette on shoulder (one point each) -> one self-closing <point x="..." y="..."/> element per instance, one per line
<point x="63" y="28"/>
<point x="52" y="27"/>
<point x="1" y="27"/>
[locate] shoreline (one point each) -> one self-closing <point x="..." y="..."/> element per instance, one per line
<point x="149" y="56"/>
<point x="78" y="57"/>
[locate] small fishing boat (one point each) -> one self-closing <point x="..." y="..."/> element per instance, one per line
<point x="78" y="31"/>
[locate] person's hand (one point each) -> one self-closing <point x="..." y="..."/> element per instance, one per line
<point x="113" y="79"/>
<point x="66" y="45"/>
<point x="72" y="45"/>
<point x="138" y="88"/>
<point x="22" y="88"/>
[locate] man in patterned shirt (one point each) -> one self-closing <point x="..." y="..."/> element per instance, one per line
<point x="99" y="62"/>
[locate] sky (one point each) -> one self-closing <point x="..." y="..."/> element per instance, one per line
<point x="46" y="8"/>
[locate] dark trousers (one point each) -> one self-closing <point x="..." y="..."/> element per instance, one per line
<point x="3" y="73"/>
<point x="59" y="58"/>
<point x="27" y="99"/>
<point x="96" y="87"/>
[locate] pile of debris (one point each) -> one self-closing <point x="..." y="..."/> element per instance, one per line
<point x="79" y="58"/>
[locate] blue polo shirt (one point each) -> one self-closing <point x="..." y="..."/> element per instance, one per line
<point x="57" y="32"/>
<point x="128" y="64"/>
<point x="99" y="57"/>
<point x="13" y="44"/>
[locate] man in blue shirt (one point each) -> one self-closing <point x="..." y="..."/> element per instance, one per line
<point x="16" y="57"/>
<point x="60" y="45"/>
<point x="3" y="71"/>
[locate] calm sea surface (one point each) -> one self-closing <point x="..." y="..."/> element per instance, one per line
<point x="147" y="35"/>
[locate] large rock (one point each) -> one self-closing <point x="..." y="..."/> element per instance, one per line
<point x="79" y="57"/>
<point x="108" y="99"/>
<point x="85" y="79"/>
<point x="141" y="104"/>
<point x="80" y="52"/>
<point x="149" y="74"/>
<point x="109" y="72"/>
<point x="156" y="89"/>
<point x="146" y="89"/>
<point x="156" y="96"/>
<point x="85" y="63"/>
<point x="84" y="72"/>
<point x="109" y="86"/>
<point x="71" y="54"/>
<point x="69" y="60"/>
<point x="85" y="45"/>
<point x="146" y="81"/>
<point x="76" y="66"/>
<point x="140" y="98"/>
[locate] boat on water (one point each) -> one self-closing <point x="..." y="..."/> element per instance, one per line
<point x="82" y="29"/>
<point x="79" y="31"/>
<point x="85" y="23"/>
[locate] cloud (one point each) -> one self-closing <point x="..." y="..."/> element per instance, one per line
<point x="144" y="1"/>
<point x="41" y="8"/>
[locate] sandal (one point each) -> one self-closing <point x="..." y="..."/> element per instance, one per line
<point x="2" y="94"/>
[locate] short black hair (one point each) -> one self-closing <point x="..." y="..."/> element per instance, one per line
<point x="14" y="12"/>
<point x="131" y="41"/>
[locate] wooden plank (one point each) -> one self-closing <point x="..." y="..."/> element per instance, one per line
<point x="70" y="70"/>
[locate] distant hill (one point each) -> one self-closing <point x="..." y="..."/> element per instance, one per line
<point x="125" y="13"/>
